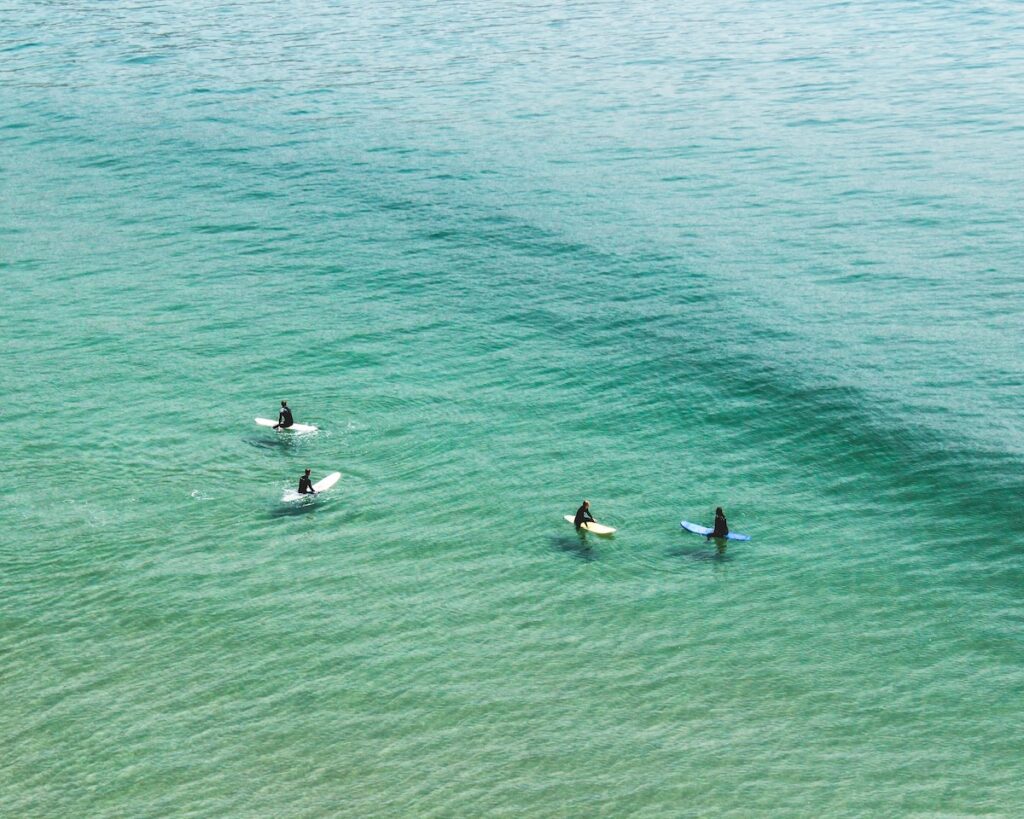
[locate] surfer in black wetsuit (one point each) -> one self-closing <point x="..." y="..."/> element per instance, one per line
<point x="306" y="485"/>
<point x="284" y="418"/>
<point x="583" y="515"/>
<point x="721" y="527"/>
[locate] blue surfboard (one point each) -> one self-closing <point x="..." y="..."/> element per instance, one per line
<point x="697" y="529"/>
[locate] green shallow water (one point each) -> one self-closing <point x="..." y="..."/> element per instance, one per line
<point x="509" y="256"/>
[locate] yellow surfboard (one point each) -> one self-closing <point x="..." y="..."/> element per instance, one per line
<point x="593" y="527"/>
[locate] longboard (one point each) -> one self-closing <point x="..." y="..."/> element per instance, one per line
<point x="266" y="422"/>
<point x="697" y="529"/>
<point x="322" y="484"/>
<point x="593" y="527"/>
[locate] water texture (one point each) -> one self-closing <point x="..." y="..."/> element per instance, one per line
<point x="509" y="255"/>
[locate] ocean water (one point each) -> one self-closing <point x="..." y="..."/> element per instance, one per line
<point x="764" y="255"/>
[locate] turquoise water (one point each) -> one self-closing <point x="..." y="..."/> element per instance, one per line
<point x="760" y="255"/>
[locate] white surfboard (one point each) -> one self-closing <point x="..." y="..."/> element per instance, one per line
<point x="593" y="527"/>
<point x="321" y="485"/>
<point x="266" y="422"/>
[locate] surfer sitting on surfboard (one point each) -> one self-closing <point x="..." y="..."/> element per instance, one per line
<point x="721" y="527"/>
<point x="583" y="515"/>
<point x="284" y="419"/>
<point x="306" y="485"/>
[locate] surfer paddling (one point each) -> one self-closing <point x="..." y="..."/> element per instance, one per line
<point x="284" y="419"/>
<point x="306" y="485"/>
<point x="721" y="526"/>
<point x="583" y="516"/>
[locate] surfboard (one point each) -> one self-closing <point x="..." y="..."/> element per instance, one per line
<point x="266" y="422"/>
<point x="319" y="486"/>
<point x="594" y="528"/>
<point x="697" y="529"/>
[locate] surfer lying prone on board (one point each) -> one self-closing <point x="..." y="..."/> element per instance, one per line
<point x="721" y="526"/>
<point x="583" y="515"/>
<point x="306" y="485"/>
<point x="284" y="418"/>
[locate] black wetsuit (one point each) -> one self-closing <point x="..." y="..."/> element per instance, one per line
<point x="306" y="486"/>
<point x="582" y="516"/>
<point x="284" y="418"/>
<point x="721" y="527"/>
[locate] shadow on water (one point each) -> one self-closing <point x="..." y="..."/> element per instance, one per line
<point x="306" y="506"/>
<point x="576" y="545"/>
<point x="275" y="443"/>
<point x="710" y="551"/>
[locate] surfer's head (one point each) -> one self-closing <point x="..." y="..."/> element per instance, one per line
<point x="586" y="504"/>
<point x="284" y="403"/>
<point x="719" y="511"/>
<point x="307" y="472"/>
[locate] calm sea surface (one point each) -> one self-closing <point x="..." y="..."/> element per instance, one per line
<point x="763" y="255"/>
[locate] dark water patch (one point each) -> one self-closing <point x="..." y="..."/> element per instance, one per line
<point x="454" y="177"/>
<point x="822" y="418"/>
<point x="402" y="206"/>
<point x="228" y="227"/>
<point x="836" y="429"/>
<point x="107" y="162"/>
<point x="19" y="264"/>
<point x="21" y="47"/>
<point x="260" y="195"/>
<point x="144" y="59"/>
